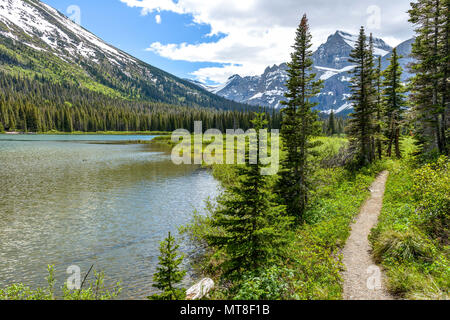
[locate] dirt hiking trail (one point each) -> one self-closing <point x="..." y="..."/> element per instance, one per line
<point x="363" y="280"/>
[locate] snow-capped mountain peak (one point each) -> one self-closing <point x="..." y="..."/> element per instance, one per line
<point x="36" y="37"/>
<point x="381" y="48"/>
<point x="59" y="34"/>
<point x="331" y="64"/>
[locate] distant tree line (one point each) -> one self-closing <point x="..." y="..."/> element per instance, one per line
<point x="333" y="124"/>
<point x="37" y="105"/>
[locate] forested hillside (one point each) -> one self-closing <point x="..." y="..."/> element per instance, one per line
<point x="37" y="104"/>
<point x="62" y="71"/>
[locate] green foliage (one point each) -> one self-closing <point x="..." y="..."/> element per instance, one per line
<point x="40" y="105"/>
<point x="394" y="101"/>
<point x="410" y="245"/>
<point x="328" y="148"/>
<point x="311" y="265"/>
<point x="431" y="195"/>
<point x="333" y="125"/>
<point x="430" y="96"/>
<point x="250" y="227"/>
<point x="299" y="125"/>
<point x="314" y="251"/>
<point x="96" y="290"/>
<point x="267" y="284"/>
<point x="411" y="239"/>
<point x="379" y="111"/>
<point x="135" y="81"/>
<point x="362" y="126"/>
<point x="168" y="273"/>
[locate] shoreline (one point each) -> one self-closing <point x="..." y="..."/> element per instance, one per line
<point x="79" y="133"/>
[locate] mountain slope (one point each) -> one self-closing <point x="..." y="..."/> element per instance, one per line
<point x="37" y="40"/>
<point x="331" y="63"/>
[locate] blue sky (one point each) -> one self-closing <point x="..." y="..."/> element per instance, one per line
<point x="127" y="29"/>
<point x="210" y="40"/>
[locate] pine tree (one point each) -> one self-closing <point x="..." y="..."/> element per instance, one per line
<point x="251" y="227"/>
<point x="379" y="111"/>
<point x="299" y="125"/>
<point x="332" y="124"/>
<point x="168" y="273"/>
<point x="444" y="40"/>
<point x="361" y="123"/>
<point x="393" y="102"/>
<point x="372" y="71"/>
<point x="430" y="96"/>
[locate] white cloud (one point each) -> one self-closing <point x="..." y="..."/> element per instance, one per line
<point x="158" y="19"/>
<point x="259" y="33"/>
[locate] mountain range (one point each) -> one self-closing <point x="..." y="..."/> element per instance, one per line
<point x="331" y="64"/>
<point x="38" y="41"/>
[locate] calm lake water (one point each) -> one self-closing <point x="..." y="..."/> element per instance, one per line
<point x="83" y="200"/>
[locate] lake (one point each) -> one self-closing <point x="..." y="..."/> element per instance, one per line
<point x="90" y="200"/>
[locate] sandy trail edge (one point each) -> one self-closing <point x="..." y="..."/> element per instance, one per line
<point x="360" y="267"/>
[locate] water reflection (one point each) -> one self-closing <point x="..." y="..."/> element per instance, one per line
<point x="77" y="200"/>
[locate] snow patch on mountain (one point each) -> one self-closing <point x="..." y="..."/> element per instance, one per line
<point x="351" y="40"/>
<point x="344" y="107"/>
<point x="54" y="29"/>
<point x="330" y="72"/>
<point x="331" y="64"/>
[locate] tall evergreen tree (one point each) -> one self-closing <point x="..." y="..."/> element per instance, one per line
<point x="444" y="39"/>
<point x="168" y="273"/>
<point x="393" y="102"/>
<point x="372" y="71"/>
<point x="430" y="91"/>
<point x="361" y="123"/>
<point x="251" y="227"/>
<point x="379" y="111"/>
<point x="299" y="125"/>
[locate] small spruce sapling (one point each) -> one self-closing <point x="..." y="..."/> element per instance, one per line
<point x="168" y="273"/>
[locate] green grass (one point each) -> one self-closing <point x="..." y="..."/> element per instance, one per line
<point x="314" y="251"/>
<point x="330" y="146"/>
<point x="94" y="290"/>
<point x="313" y="265"/>
<point x="411" y="239"/>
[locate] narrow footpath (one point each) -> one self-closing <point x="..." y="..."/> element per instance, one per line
<point x="363" y="280"/>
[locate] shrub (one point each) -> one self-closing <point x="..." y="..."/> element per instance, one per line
<point x="312" y="265"/>
<point x="95" y="291"/>
<point x="431" y="193"/>
<point x="411" y="239"/>
<point x="270" y="284"/>
<point x="404" y="246"/>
